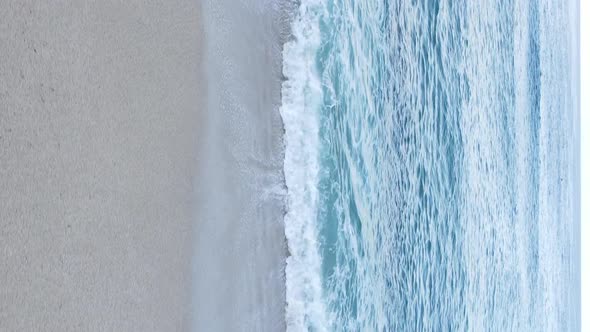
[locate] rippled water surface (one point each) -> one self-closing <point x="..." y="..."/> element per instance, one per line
<point x="429" y="155"/>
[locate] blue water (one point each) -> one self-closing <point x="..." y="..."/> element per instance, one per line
<point x="429" y="153"/>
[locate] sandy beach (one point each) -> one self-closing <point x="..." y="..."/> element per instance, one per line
<point x="98" y="146"/>
<point x="240" y="244"/>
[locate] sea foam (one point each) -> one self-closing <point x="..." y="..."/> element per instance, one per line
<point x="301" y="100"/>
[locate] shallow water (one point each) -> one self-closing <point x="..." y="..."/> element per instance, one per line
<point x="429" y="154"/>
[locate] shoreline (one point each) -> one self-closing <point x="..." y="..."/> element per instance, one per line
<point x="240" y="246"/>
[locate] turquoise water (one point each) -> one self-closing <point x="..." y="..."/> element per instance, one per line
<point x="429" y="154"/>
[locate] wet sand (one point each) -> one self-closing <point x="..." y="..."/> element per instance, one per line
<point x="240" y="243"/>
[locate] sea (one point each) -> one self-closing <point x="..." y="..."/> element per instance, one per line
<point x="430" y="164"/>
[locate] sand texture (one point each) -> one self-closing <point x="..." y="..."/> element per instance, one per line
<point x="98" y="132"/>
<point x="240" y="243"/>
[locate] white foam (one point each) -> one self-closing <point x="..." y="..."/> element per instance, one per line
<point x="301" y="102"/>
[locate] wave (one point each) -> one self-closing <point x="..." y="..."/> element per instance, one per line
<point x="301" y="101"/>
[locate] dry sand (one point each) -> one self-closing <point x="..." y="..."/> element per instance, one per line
<point x="98" y="114"/>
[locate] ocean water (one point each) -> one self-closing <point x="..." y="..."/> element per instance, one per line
<point x="429" y="161"/>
